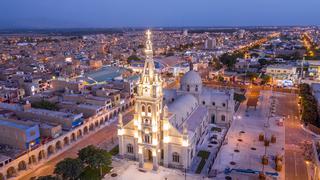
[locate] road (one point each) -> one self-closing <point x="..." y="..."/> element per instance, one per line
<point x="212" y="83"/>
<point x="295" y="166"/>
<point x="106" y="134"/>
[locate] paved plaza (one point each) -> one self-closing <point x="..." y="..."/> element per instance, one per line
<point x="129" y="170"/>
<point x="242" y="148"/>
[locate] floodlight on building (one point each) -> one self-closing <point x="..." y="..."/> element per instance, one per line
<point x="155" y="142"/>
<point x="185" y="143"/>
<point x="154" y="153"/>
<point x="154" y="128"/>
<point x="166" y="139"/>
<point x="120" y="132"/>
<point x="135" y="122"/>
<point x="165" y="126"/>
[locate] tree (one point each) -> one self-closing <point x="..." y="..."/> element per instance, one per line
<point x="215" y="63"/>
<point x="43" y="104"/>
<point x="309" y="106"/>
<point x="239" y="97"/>
<point x="94" y="157"/>
<point x="263" y="62"/>
<point x="252" y="76"/>
<point x="265" y="79"/>
<point x="69" y="168"/>
<point x="229" y="59"/>
<point x="132" y="58"/>
<point x="220" y="78"/>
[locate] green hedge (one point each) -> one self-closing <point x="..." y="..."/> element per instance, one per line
<point x="204" y="154"/>
<point x="200" y="166"/>
<point x="114" y="151"/>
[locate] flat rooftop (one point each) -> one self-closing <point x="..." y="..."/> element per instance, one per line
<point x="14" y="125"/>
<point x="53" y="113"/>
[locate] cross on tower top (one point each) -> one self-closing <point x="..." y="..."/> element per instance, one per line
<point x="148" y="34"/>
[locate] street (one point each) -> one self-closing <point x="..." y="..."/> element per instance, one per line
<point x="103" y="135"/>
<point x="295" y="166"/>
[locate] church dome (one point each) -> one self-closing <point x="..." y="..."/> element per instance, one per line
<point x="191" y="78"/>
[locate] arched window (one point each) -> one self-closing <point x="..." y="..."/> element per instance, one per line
<point x="149" y="109"/>
<point x="196" y="87"/>
<point x="146" y="121"/>
<point x="213" y="118"/>
<point x="175" y="157"/>
<point x="203" y="102"/>
<point x="188" y="87"/>
<point x="146" y="138"/>
<point x="143" y="109"/>
<point x="129" y="148"/>
<point x="224" y="104"/>
<point x="223" y="118"/>
<point x="213" y="103"/>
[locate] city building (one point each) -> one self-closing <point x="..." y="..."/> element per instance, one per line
<point x="210" y="43"/>
<point x="66" y="119"/>
<point x="19" y="135"/>
<point x="283" y="74"/>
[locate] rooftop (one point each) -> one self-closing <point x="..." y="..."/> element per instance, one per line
<point x="14" y="125"/>
<point x="53" y="113"/>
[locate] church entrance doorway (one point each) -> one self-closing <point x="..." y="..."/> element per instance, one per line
<point x="147" y="155"/>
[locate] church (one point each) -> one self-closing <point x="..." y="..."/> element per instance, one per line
<point x="169" y="123"/>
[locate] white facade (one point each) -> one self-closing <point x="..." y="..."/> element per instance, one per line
<point x="168" y="125"/>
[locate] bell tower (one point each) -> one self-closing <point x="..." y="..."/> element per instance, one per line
<point x="148" y="108"/>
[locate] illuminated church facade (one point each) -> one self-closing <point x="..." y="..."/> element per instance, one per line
<point x="168" y="124"/>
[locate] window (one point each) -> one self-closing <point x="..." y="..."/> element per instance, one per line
<point x="191" y="153"/>
<point x="147" y="139"/>
<point x="146" y="121"/>
<point x="188" y="87"/>
<point x="143" y="109"/>
<point x="162" y="154"/>
<point x="129" y="148"/>
<point x="196" y="87"/>
<point x="203" y="102"/>
<point x="175" y="157"/>
<point x="213" y="103"/>
<point x="223" y="118"/>
<point x="224" y="104"/>
<point x="213" y="117"/>
<point x="172" y="99"/>
<point x="149" y="109"/>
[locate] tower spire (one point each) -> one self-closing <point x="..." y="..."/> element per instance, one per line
<point x="148" y="70"/>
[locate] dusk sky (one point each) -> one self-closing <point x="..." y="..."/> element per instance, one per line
<point x="151" y="13"/>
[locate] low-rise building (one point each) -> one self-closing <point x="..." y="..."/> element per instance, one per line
<point x="61" y="85"/>
<point x="19" y="135"/>
<point x="283" y="74"/>
<point x="67" y="120"/>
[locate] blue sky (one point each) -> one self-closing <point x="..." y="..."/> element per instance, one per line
<point x="150" y="13"/>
